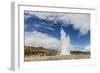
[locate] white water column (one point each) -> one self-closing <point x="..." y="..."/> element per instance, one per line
<point x="65" y="43"/>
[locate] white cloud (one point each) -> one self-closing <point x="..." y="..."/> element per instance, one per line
<point x="36" y="25"/>
<point x="42" y="15"/>
<point x="38" y="39"/>
<point x="79" y="21"/>
<point x="27" y="16"/>
<point x="86" y="48"/>
<point x="49" y="28"/>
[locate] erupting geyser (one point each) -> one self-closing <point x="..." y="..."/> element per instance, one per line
<point x="65" y="43"/>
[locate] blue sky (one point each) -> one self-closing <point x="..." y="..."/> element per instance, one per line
<point x="77" y="26"/>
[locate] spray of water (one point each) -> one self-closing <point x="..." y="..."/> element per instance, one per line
<point x="65" y="43"/>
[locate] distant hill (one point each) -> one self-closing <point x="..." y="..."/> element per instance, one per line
<point x="79" y="52"/>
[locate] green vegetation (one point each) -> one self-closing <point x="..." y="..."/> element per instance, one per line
<point x="39" y="51"/>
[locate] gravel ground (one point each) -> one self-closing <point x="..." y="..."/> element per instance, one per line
<point x="57" y="57"/>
